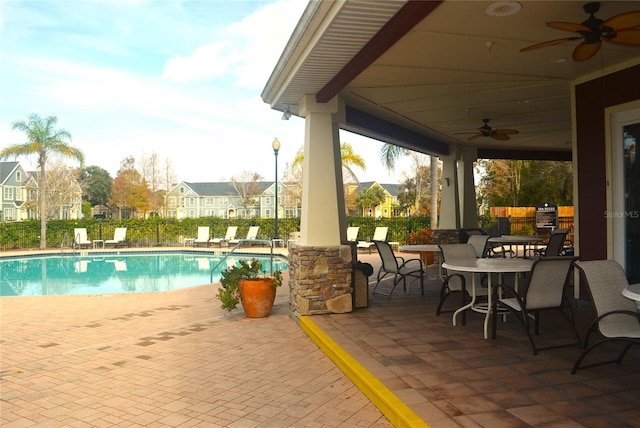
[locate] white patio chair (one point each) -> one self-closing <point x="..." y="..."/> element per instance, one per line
<point x="203" y="236"/>
<point x="617" y="319"/>
<point x="80" y="238"/>
<point x="380" y="234"/>
<point x="229" y="236"/>
<point x="119" y="237"/>
<point x="546" y="290"/>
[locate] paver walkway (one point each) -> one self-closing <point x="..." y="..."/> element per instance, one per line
<point x="166" y="359"/>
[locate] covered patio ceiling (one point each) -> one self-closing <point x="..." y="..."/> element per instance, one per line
<point x="424" y="74"/>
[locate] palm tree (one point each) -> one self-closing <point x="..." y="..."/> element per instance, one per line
<point x="389" y="153"/>
<point x="43" y="140"/>
<point x="349" y="159"/>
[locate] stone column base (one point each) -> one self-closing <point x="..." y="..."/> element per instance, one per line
<point x="320" y="280"/>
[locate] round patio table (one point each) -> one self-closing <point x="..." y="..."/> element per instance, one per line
<point x="424" y="249"/>
<point x="483" y="265"/>
<point x="632" y="292"/>
<point x="511" y="240"/>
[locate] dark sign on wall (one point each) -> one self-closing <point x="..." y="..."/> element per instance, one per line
<point x="546" y="216"/>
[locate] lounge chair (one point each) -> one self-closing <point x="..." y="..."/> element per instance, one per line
<point x="617" y="319"/>
<point x="380" y="234"/>
<point x="251" y="234"/>
<point x="203" y="236"/>
<point x="119" y="237"/>
<point x="352" y="233"/>
<point x="546" y="290"/>
<point x="80" y="238"/>
<point x="230" y="236"/>
<point x="400" y="268"/>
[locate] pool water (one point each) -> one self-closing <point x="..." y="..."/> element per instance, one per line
<point x="105" y="273"/>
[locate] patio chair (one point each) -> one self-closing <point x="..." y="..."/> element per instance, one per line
<point x="398" y="267"/>
<point x="119" y="237"/>
<point x="546" y="290"/>
<point x="229" y="236"/>
<point x="617" y="317"/>
<point x="203" y="236"/>
<point x="251" y="234"/>
<point x="458" y="282"/>
<point x="80" y="238"/>
<point x="380" y="234"/>
<point x="352" y="233"/>
<point x="555" y="245"/>
<point x="480" y="244"/>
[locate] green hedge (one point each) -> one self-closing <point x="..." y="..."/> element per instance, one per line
<point x="172" y="232"/>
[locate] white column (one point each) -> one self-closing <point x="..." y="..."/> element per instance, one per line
<point x="320" y="222"/>
<point x="450" y="203"/>
<point x="468" y="204"/>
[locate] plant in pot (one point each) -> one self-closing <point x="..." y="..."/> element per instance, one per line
<point x="248" y="284"/>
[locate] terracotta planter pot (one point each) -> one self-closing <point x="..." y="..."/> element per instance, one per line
<point x="427" y="257"/>
<point x="257" y="296"/>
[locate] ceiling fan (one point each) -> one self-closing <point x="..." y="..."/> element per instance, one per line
<point x="621" y="29"/>
<point x="497" y="134"/>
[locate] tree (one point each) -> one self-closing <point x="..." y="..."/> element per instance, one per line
<point x="423" y="179"/>
<point x="371" y="197"/>
<point x="96" y="183"/>
<point x="129" y="189"/>
<point x="152" y="172"/>
<point x="520" y="183"/>
<point x="248" y="188"/>
<point x="349" y="158"/>
<point x="43" y="141"/>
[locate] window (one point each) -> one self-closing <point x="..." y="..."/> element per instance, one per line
<point x="8" y="193"/>
<point x="181" y="190"/>
<point x="19" y="176"/>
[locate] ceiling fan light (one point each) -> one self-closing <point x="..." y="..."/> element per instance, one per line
<point x="558" y="60"/>
<point x="503" y="8"/>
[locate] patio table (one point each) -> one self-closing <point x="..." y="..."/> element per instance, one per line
<point x="489" y="266"/>
<point x="632" y="292"/>
<point x="511" y="240"/>
<point x="424" y="249"/>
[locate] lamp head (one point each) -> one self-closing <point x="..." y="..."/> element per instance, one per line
<point x="276" y="144"/>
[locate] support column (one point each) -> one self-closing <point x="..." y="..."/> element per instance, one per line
<point x="450" y="205"/>
<point x="467" y="188"/>
<point x="320" y="223"/>
<point x="320" y="268"/>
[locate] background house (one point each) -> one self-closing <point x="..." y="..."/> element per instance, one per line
<point x="19" y="194"/>
<point x="232" y="200"/>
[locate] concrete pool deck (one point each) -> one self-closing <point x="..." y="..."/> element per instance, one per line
<point x="174" y="359"/>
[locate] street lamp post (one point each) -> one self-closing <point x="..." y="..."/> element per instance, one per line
<point x="276" y="147"/>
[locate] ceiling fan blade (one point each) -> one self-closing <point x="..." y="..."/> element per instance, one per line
<point x="584" y="51"/>
<point x="501" y="137"/>
<point x="627" y="37"/>
<point x="549" y="43"/>
<point x="569" y="26"/>
<point x="624" y="21"/>
<point x="506" y="131"/>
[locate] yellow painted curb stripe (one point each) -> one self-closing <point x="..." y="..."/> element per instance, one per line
<point x="398" y="413"/>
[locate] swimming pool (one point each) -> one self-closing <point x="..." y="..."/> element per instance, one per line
<point x="108" y="272"/>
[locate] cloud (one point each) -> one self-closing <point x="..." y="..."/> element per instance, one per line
<point x="247" y="50"/>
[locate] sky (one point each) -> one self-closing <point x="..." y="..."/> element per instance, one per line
<point x="178" y="78"/>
